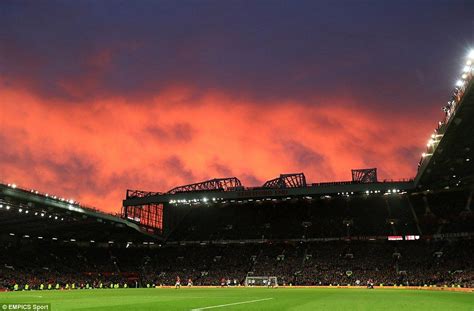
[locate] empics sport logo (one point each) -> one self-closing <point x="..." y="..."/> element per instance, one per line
<point x="26" y="306"/>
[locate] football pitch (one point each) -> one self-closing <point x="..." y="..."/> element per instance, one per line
<point x="244" y="299"/>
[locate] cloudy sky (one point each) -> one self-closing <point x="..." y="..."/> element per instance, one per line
<point x="100" y="96"/>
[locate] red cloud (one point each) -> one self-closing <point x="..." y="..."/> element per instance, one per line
<point x="94" y="151"/>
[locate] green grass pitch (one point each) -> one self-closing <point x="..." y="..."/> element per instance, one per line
<point x="246" y="299"/>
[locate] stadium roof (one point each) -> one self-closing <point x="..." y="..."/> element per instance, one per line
<point x="279" y="190"/>
<point x="32" y="215"/>
<point x="448" y="161"/>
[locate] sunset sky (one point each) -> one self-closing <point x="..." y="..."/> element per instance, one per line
<point x="100" y="96"/>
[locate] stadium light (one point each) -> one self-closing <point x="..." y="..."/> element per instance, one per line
<point x="7" y="207"/>
<point x="12" y="234"/>
<point x="20" y="210"/>
<point x="459" y="83"/>
<point x="1" y="205"/>
<point x="54" y="239"/>
<point x="40" y="238"/>
<point x="92" y="241"/>
<point x="471" y="54"/>
<point x="13" y="186"/>
<point x="466" y="69"/>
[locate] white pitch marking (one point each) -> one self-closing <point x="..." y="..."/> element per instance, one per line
<point x="231" y="304"/>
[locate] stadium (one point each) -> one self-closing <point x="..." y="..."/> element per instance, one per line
<point x="228" y="245"/>
<point x="292" y="242"/>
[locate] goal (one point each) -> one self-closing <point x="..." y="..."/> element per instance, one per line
<point x="269" y="281"/>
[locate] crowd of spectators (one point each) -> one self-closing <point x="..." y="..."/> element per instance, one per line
<point x="416" y="263"/>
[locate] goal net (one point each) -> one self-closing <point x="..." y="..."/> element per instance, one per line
<point x="270" y="281"/>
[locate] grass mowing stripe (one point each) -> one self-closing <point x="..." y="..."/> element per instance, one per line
<point x="231" y="304"/>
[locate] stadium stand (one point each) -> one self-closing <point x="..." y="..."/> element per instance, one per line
<point x="337" y="240"/>
<point x="417" y="263"/>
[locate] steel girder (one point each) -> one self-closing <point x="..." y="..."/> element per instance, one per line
<point x="297" y="180"/>
<point x="367" y="175"/>
<point x="212" y="184"/>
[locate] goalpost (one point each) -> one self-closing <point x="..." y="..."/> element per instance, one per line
<point x="269" y="281"/>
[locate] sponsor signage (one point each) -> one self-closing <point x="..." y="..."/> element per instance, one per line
<point x="395" y="238"/>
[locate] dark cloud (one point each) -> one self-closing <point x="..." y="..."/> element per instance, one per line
<point x="174" y="166"/>
<point x="69" y="173"/>
<point x="221" y="169"/>
<point x="409" y="154"/>
<point x="304" y="157"/>
<point x="372" y="52"/>
<point x="250" y="180"/>
<point x="179" y="132"/>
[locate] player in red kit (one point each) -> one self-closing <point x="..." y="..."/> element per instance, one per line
<point x="178" y="283"/>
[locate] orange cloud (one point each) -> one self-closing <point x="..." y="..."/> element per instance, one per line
<point x="94" y="151"/>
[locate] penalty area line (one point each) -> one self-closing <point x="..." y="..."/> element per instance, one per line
<point x="231" y="304"/>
